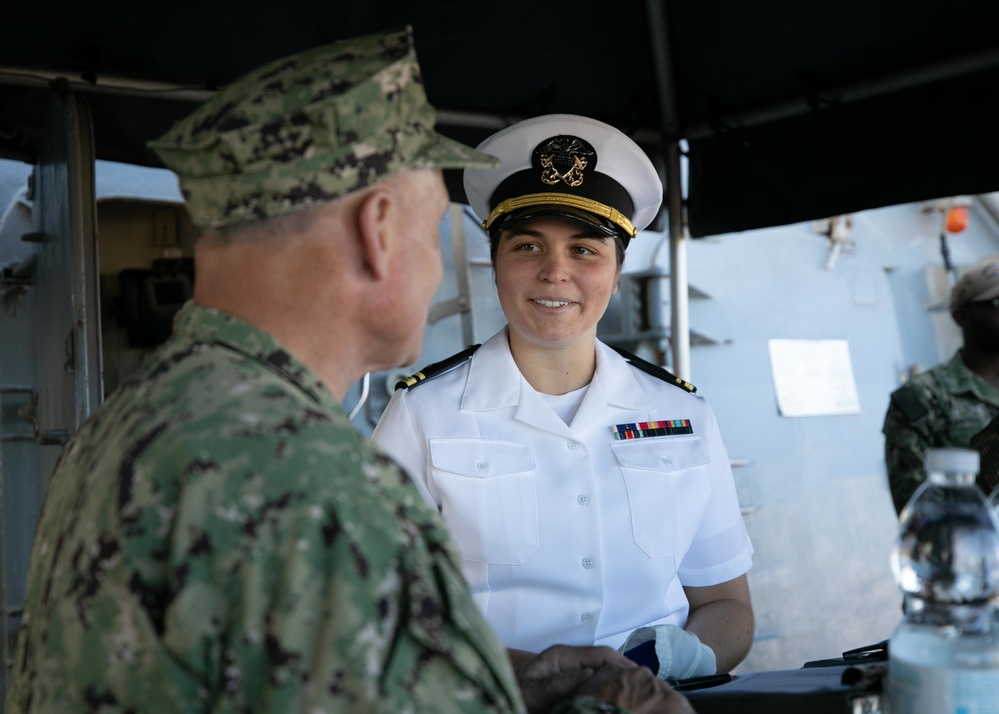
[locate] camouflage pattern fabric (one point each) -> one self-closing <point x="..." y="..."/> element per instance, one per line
<point x="944" y="406"/>
<point x="308" y="128"/>
<point x="986" y="442"/>
<point x="219" y="538"/>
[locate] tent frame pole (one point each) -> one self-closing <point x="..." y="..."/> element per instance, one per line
<point x="679" y="312"/>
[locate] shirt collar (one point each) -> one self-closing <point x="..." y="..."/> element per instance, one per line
<point x="204" y="324"/>
<point x="618" y="381"/>
<point x="967" y="381"/>
<point x="495" y="382"/>
<point x="493" y="378"/>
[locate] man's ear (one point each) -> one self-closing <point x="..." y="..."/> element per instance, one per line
<point x="374" y="229"/>
<point x="960" y="317"/>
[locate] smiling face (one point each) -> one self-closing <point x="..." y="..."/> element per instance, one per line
<point x="555" y="278"/>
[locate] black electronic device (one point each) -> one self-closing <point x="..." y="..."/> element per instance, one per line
<point x="149" y="299"/>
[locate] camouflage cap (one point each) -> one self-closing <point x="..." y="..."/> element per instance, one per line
<point x="979" y="283"/>
<point x="308" y="128"/>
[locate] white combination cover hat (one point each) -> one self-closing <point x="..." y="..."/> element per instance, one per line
<point x="565" y="165"/>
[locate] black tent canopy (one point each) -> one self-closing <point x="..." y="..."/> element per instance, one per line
<point x="787" y="110"/>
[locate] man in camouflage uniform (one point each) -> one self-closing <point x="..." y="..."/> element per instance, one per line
<point x="949" y="404"/>
<point x="218" y="537"/>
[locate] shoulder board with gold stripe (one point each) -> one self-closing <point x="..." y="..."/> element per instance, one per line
<point x="437" y="368"/>
<point x="654" y="369"/>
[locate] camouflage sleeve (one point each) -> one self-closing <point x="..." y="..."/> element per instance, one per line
<point x="587" y="705"/>
<point x="289" y="602"/>
<point x="907" y="431"/>
<point x="986" y="442"/>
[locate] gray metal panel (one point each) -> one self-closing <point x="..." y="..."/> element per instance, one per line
<point x="51" y="339"/>
<point x="68" y="346"/>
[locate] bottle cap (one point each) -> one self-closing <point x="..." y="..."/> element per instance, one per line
<point x="954" y="460"/>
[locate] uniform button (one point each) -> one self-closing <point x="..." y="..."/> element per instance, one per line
<point x="482" y="467"/>
<point x="587" y="563"/>
<point x="587" y="617"/>
<point x="573" y="444"/>
<point x="668" y="462"/>
<point x="582" y="499"/>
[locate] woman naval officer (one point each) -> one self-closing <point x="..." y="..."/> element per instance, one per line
<point x="589" y="492"/>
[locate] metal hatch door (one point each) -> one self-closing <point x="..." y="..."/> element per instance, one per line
<point x="58" y="364"/>
<point x="70" y="385"/>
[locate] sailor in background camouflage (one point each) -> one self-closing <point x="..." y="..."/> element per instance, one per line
<point x="949" y="404"/>
<point x="218" y="537"/>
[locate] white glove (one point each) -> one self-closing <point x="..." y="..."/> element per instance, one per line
<point x="681" y="655"/>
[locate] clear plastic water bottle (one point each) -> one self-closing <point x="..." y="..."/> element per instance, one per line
<point x="944" y="655"/>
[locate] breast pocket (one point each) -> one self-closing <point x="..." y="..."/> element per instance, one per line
<point x="667" y="488"/>
<point x="488" y="498"/>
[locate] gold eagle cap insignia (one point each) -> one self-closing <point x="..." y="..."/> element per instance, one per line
<point x="564" y="159"/>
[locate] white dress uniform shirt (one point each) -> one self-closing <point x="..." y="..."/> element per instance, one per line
<point x="567" y="535"/>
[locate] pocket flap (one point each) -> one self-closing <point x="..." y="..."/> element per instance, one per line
<point x="480" y="458"/>
<point x="672" y="453"/>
